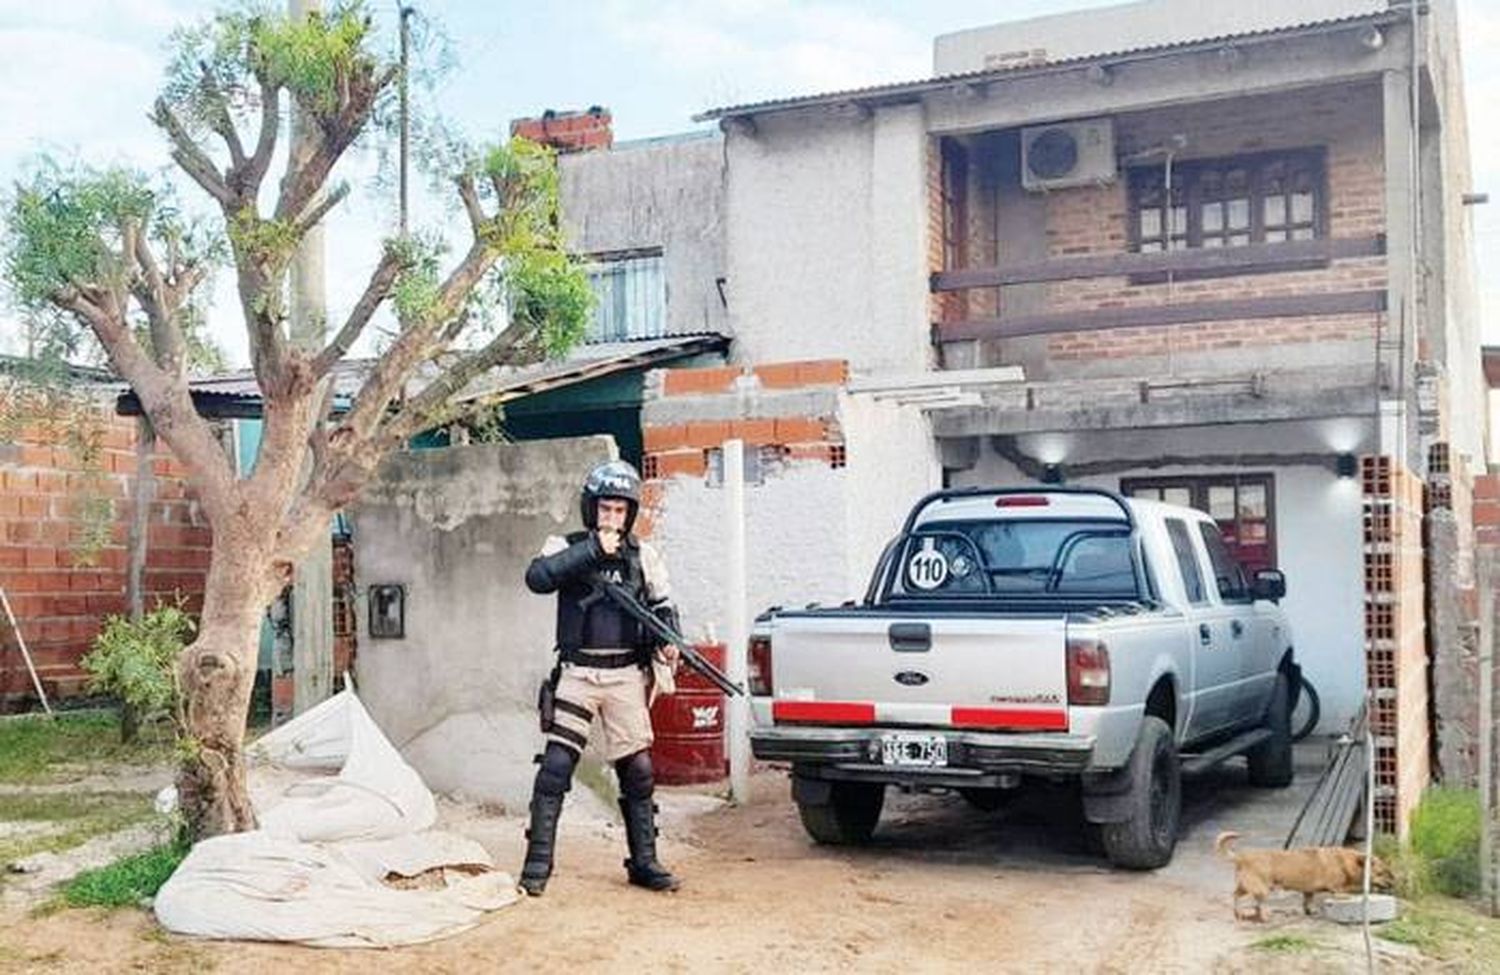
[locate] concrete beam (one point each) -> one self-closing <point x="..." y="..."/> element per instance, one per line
<point x="1119" y="405"/>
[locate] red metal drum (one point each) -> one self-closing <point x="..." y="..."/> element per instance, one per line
<point x="689" y="727"/>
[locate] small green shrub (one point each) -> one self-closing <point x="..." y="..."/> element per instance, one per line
<point x="1445" y="836"/>
<point x="136" y="661"/>
<point x="126" y="881"/>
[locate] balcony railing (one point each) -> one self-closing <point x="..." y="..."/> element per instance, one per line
<point x="1251" y="259"/>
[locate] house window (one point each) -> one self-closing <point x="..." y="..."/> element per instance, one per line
<point x="1266" y="198"/>
<point x="630" y="297"/>
<point x="1243" y="506"/>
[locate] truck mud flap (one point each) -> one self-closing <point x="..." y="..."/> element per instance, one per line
<point x="811" y="792"/>
<point x="1106" y="796"/>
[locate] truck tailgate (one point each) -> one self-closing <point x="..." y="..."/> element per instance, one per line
<point x="970" y="671"/>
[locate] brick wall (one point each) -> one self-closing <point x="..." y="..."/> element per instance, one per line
<point x="60" y="599"/>
<point x="1396" y="640"/>
<point x="683" y="449"/>
<point x="1094" y="221"/>
<point x="568" y="131"/>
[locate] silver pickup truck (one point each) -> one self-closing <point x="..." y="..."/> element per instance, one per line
<point x="1011" y="634"/>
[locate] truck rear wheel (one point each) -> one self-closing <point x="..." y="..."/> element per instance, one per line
<point x="849" y="816"/>
<point x="1271" y="760"/>
<point x="1145" y="840"/>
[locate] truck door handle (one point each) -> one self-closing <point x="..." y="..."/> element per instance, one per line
<point x="910" y="637"/>
<point x="1205" y="637"/>
<point x="1237" y="628"/>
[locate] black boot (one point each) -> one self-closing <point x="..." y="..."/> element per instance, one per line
<point x="640" y="835"/>
<point x="541" y="837"/>
<point x="553" y="779"/>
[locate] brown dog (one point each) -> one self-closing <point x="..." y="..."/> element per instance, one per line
<point x="1310" y="871"/>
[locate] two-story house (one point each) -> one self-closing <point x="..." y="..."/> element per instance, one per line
<point x="1209" y="254"/>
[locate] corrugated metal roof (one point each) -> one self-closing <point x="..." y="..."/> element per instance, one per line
<point x="909" y="90"/>
<point x="237" y="394"/>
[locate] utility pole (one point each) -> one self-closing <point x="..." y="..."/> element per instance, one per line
<point x="406" y="13"/>
<point x="312" y="583"/>
<point x="738" y="628"/>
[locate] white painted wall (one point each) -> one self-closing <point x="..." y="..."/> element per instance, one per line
<point x="795" y="536"/>
<point x="1319" y="547"/>
<point x="826" y="240"/>
<point x="893" y="461"/>
<point x="1129" y="26"/>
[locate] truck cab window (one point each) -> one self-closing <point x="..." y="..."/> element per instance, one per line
<point x="1227" y="573"/>
<point x="1187" y="560"/>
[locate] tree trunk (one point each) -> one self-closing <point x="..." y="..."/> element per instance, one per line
<point x="217" y="674"/>
<point x="135" y="547"/>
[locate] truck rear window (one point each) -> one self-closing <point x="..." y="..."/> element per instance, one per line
<point x="1023" y="557"/>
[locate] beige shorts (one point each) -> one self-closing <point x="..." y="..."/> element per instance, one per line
<point x="616" y="696"/>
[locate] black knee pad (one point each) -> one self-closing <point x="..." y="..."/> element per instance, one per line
<point x="555" y="776"/>
<point x="634" y="771"/>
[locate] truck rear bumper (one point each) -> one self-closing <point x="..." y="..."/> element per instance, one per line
<point x="973" y="757"/>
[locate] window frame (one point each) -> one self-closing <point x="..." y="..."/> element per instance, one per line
<point x="1198" y="486"/>
<point x="1187" y="560"/>
<point x="1189" y="175"/>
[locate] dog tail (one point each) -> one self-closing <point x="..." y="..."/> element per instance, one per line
<point x="1223" y="844"/>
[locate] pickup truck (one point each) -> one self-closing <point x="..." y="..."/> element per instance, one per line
<point x="1007" y="635"/>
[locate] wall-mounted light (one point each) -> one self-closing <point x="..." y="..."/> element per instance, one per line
<point x="1052" y="474"/>
<point x="1372" y="38"/>
<point x="1347" y="465"/>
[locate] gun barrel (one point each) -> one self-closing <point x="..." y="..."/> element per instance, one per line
<point x="627" y="601"/>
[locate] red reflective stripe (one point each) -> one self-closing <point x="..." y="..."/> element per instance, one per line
<point x="823" y="712"/>
<point x="1049" y="720"/>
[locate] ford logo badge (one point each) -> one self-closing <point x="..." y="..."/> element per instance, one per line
<point x="911" y="678"/>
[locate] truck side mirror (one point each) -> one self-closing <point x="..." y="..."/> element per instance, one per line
<point x="1269" y="584"/>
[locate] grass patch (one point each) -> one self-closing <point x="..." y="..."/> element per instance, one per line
<point x="36" y="749"/>
<point x="65" y="820"/>
<point x="127" y="881"/>
<point x="1449" y="931"/>
<point x="1285" y="944"/>
<point x="1445" y="835"/>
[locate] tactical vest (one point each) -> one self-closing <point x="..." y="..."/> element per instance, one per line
<point x="587" y="619"/>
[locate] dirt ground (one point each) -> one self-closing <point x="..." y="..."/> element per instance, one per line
<point x="942" y="887"/>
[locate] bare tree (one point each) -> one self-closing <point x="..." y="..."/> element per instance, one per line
<point x="104" y="251"/>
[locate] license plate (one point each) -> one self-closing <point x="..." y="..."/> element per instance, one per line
<point x="930" y="751"/>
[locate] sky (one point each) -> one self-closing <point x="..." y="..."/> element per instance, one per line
<point x="77" y="78"/>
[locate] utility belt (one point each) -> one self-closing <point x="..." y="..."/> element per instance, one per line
<point x="604" y="659"/>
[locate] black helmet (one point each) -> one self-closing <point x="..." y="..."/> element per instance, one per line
<point x="616" y="479"/>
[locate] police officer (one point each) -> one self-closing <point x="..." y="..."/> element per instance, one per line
<point x="605" y="670"/>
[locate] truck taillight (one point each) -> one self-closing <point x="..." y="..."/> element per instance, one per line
<point x="1088" y="672"/>
<point x="759" y="670"/>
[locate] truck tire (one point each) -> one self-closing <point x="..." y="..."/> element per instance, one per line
<point x="1146" y="839"/>
<point x="849" y="816"/>
<point x="1271" y="760"/>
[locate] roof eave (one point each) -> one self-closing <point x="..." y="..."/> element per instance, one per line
<point x="911" y="91"/>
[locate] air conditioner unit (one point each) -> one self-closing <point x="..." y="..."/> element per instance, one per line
<point x="1068" y="154"/>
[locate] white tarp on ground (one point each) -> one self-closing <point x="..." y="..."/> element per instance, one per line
<point x="314" y="872"/>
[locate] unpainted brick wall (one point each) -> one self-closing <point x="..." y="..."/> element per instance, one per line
<point x="60" y="602"/>
<point x="682" y="449"/>
<point x="1094" y="221"/>
<point x="1396" y="639"/>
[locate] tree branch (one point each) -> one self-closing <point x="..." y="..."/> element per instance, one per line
<point x="222" y="123"/>
<point x="382" y="279"/>
<point x="254" y="170"/>
<point x="162" y="302"/>
<point x="193" y="160"/>
<point x="429" y="405"/>
<point x="320" y="209"/>
<point x="164" y="398"/>
<point x="470" y="195"/>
